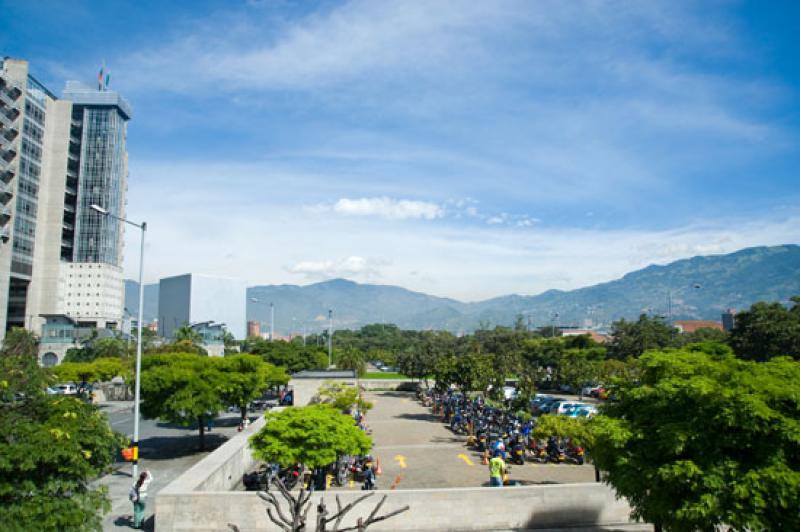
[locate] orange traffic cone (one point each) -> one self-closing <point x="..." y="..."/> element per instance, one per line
<point x="378" y="470"/>
<point x="485" y="459"/>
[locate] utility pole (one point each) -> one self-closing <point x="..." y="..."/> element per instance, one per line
<point x="330" y="338"/>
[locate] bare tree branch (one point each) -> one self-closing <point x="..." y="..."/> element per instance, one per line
<point x="286" y="528"/>
<point x="270" y="498"/>
<point x="363" y="525"/>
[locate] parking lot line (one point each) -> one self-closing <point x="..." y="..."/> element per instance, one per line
<point x="466" y="459"/>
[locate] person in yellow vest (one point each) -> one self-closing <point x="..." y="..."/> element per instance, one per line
<point x="497" y="469"/>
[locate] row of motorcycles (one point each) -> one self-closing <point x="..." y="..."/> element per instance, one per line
<point x="359" y="469"/>
<point x="490" y="429"/>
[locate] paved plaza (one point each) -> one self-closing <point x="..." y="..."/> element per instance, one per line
<point x="417" y="450"/>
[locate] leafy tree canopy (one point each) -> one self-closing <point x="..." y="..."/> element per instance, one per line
<point x="182" y="388"/>
<point x="632" y="338"/>
<point x="99" y="370"/>
<point x="314" y="435"/>
<point x="245" y="377"/>
<point x="343" y="397"/>
<point x="767" y="330"/>
<point x="51" y="447"/>
<point x="350" y="358"/>
<point x="290" y="355"/>
<point x="706" y="440"/>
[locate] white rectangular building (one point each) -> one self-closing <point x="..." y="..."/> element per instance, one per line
<point x="192" y="298"/>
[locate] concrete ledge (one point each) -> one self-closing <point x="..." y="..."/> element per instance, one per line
<point x="222" y="469"/>
<point x="581" y="506"/>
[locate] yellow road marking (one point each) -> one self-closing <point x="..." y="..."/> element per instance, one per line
<point x="401" y="460"/>
<point x="466" y="459"/>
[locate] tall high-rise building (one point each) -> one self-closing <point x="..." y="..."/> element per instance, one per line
<point x="24" y="106"/>
<point x="61" y="270"/>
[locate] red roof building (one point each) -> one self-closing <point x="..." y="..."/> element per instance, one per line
<point x="690" y="326"/>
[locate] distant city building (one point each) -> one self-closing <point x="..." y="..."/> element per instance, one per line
<point x="729" y="319"/>
<point x="153" y="326"/>
<point x="213" y="335"/>
<point x="58" y="157"/>
<point x="690" y="326"/>
<point x="594" y="335"/>
<point x="192" y="298"/>
<point x="253" y="328"/>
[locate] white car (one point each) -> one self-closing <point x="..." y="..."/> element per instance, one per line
<point x="509" y="392"/>
<point x="565" y="407"/>
<point x="66" y="389"/>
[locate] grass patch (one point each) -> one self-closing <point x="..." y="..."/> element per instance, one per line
<point x="384" y="375"/>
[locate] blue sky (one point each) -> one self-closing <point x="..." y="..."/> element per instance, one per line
<point x="466" y="149"/>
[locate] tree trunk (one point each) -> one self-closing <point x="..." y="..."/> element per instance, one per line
<point x="243" y="409"/>
<point x="657" y="527"/>
<point x="202" y="427"/>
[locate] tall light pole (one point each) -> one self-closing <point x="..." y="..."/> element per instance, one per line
<point x="330" y="338"/>
<point x="137" y="386"/>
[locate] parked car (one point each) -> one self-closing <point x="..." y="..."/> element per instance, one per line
<point x="65" y="389"/>
<point x="539" y="401"/>
<point x="565" y="407"/>
<point x="587" y="411"/>
<point x="597" y="390"/>
<point x="389" y="369"/>
<point x="510" y="393"/>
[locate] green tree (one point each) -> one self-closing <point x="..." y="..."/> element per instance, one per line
<point x="314" y="435"/>
<point x="577" y="429"/>
<point x="19" y="365"/>
<point x="705" y="440"/>
<point x="99" y="370"/>
<point x="149" y="338"/>
<point x="350" y="358"/>
<point x="292" y="356"/>
<point x="343" y="397"/>
<point x="178" y="346"/>
<point x="187" y="333"/>
<point x="632" y="338"/>
<point x="51" y="448"/>
<point x="767" y="330"/>
<point x="246" y="377"/>
<point x="581" y="366"/>
<point x="182" y="388"/>
<point x="704" y="334"/>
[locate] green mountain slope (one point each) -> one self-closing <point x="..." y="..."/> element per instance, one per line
<point x="699" y="288"/>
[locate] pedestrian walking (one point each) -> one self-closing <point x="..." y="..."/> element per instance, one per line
<point x="137" y="496"/>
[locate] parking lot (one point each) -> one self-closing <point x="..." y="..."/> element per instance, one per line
<point x="416" y="450"/>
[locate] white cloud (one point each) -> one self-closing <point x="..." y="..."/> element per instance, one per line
<point x="350" y="267"/>
<point x="388" y="208"/>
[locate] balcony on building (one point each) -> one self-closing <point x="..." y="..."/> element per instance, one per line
<point x="5" y="192"/>
<point x="5" y="214"/>
<point x="61" y="329"/>
<point x="6" y="174"/>
<point x="9" y="155"/>
<point x="10" y="133"/>
<point x="12" y="114"/>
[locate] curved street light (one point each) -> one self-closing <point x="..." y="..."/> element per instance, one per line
<point x="136" y="396"/>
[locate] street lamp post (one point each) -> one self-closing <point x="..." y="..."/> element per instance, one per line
<point x="271" y="322"/>
<point x="137" y="386"/>
<point x="330" y="338"/>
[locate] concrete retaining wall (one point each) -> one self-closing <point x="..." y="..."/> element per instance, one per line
<point x="462" y="509"/>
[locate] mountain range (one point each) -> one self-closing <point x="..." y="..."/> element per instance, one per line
<point x="700" y="287"/>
